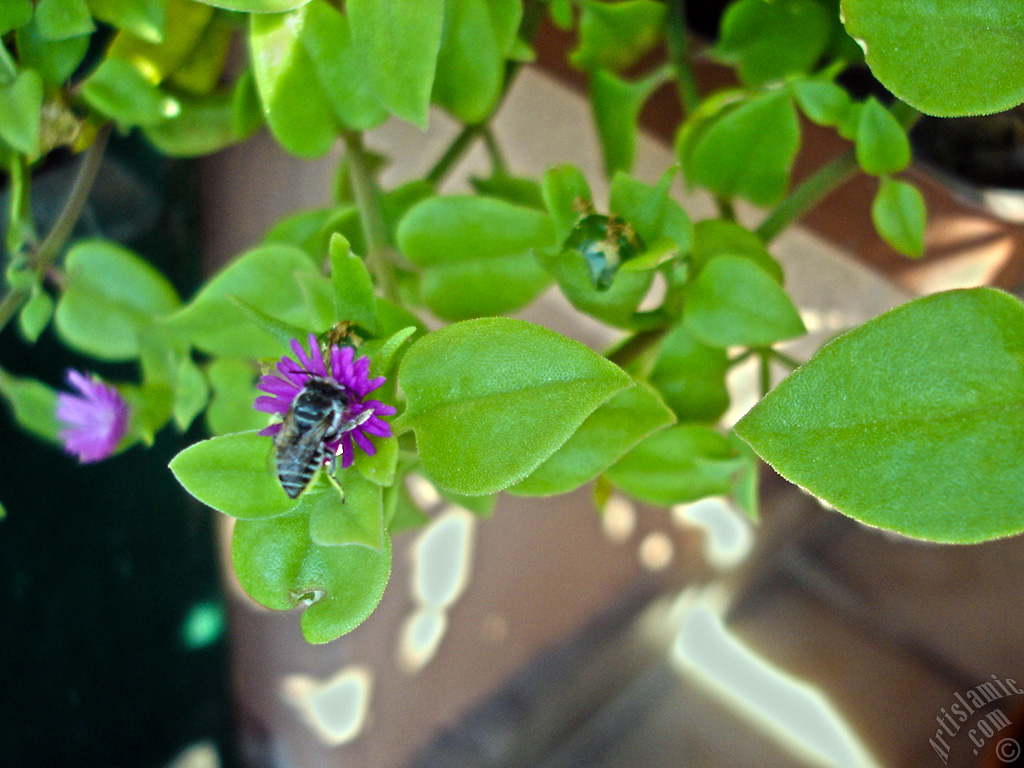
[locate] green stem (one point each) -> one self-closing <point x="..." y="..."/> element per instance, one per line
<point x="816" y="186"/>
<point x="679" y="55"/>
<point x="765" y="369"/>
<point x="371" y="216"/>
<point x="43" y="257"/>
<point x="498" y="165"/>
<point x="790" y="362"/>
<point x="741" y="357"/>
<point x="21" y="229"/>
<point x="453" y="154"/>
<point x="726" y="210"/>
<point x="636" y="345"/>
<point x="808" y="194"/>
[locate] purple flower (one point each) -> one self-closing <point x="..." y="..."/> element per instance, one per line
<point x="95" y="420"/>
<point x="353" y="375"/>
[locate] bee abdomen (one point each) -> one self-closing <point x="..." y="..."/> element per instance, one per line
<point x="294" y="479"/>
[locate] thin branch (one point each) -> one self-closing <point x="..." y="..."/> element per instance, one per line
<point x="371" y="215"/>
<point x="459" y="146"/>
<point x="679" y="54"/>
<point x="46" y="254"/>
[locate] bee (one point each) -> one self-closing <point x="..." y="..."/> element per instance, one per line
<point x="317" y="415"/>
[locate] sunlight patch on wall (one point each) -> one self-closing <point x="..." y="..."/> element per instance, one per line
<point x="727" y="535"/>
<point x="335" y="708"/>
<point x="794" y="713"/>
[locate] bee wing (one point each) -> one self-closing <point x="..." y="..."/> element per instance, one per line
<point x="297" y="453"/>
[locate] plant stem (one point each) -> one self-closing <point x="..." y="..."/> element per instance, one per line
<point x="741" y="357"/>
<point x="790" y="362"/>
<point x="808" y="194"/>
<point x="765" y="367"/>
<point x="498" y="165"/>
<point x="371" y="215"/>
<point x="636" y="345"/>
<point x="679" y="54"/>
<point x="829" y="176"/>
<point x="453" y="154"/>
<point x="43" y="257"/>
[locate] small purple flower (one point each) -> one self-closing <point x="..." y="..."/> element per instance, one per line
<point x="352" y="374"/>
<point x="95" y="420"/>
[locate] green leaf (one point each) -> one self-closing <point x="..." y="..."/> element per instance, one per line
<point x="14" y="14"/>
<point x="476" y="39"/>
<point x="616" y="35"/>
<point x="54" y="60"/>
<point x="733" y="302"/>
<point x="642" y="205"/>
<point x="34" y="405"/>
<point x="354" y="298"/>
<point x="690" y="376"/>
<point x="383" y="357"/>
<point x="947" y="59"/>
<point x="233" y="474"/>
<point x="318" y="295"/>
<point x="824" y="102"/>
<point x="263" y="278"/>
<point x="911" y="422"/>
<point x="35" y="315"/>
<point x="122" y="92"/>
<point x="280" y="567"/>
<point x="246" y="108"/>
<point x="144" y="18"/>
<point x="306" y="230"/>
<point x="476" y="254"/>
<point x="567" y="197"/>
<point x="204" y="125"/>
<point x="899" y="215"/>
<point x="400" y="511"/>
<point x="614" y="305"/>
<point x="298" y="110"/>
<point x="748" y="150"/>
<point x="606" y="435"/>
<point x="256" y="6"/>
<point x="491" y="399"/>
<point x="328" y="41"/>
<point x="882" y="145"/>
<point x="187" y="22"/>
<point x="511" y="189"/>
<point x="850" y="124"/>
<point x="60" y="19"/>
<point x="150" y="407"/>
<point x="111" y="296"/>
<point x="379" y="469"/>
<point x="191" y="393"/>
<point x="770" y="40"/>
<point x="718" y="237"/>
<point x="233" y="386"/>
<point x="20" y="103"/>
<point x="204" y="67"/>
<point x="358" y="518"/>
<point x="399" y="42"/>
<point x="677" y="465"/>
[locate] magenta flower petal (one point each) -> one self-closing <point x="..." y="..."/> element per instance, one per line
<point x="95" y="419"/>
<point x="283" y="385"/>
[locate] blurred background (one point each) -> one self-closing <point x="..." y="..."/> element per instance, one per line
<point x="546" y="635"/>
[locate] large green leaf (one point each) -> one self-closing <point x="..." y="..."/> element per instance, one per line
<point x="677" y="465"/>
<point x="119" y="90"/>
<point x="770" y="40"/>
<point x="477" y="38"/>
<point x="144" y="18"/>
<point x="733" y="302"/>
<point x="491" y="399"/>
<point x="61" y="19"/>
<point x="14" y="14"/>
<point x="950" y="58"/>
<point x="399" y="41"/>
<point x="233" y="385"/>
<point x="747" y="150"/>
<point x="34" y="405"/>
<point x="912" y="422"/>
<point x="110" y="297"/>
<point x="616" y="35"/>
<point x="233" y="474"/>
<point x="607" y="434"/>
<point x="54" y="60"/>
<point x="476" y="254"/>
<point x="355" y="518"/>
<point x="263" y="278"/>
<point x="281" y="568"/>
